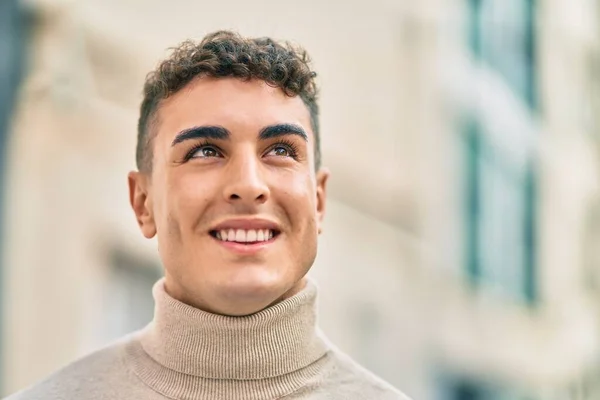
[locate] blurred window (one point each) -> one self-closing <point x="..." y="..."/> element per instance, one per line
<point x="591" y="103"/>
<point x="462" y="389"/>
<point x="591" y="275"/>
<point x="468" y="391"/>
<point x="501" y="177"/>
<point x="129" y="304"/>
<point x="500" y="219"/>
<point x="502" y="36"/>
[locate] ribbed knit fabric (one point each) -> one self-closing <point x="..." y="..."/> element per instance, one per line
<point x="186" y="353"/>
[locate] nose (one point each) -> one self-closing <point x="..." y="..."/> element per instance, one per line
<point x="245" y="182"/>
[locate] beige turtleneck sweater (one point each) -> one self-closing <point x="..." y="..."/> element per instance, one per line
<point x="186" y="353"/>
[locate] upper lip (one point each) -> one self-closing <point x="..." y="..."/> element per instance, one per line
<point x="246" y="224"/>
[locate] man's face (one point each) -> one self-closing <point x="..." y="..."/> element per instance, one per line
<point x="233" y="196"/>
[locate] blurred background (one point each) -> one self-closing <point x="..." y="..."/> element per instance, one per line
<point x="461" y="252"/>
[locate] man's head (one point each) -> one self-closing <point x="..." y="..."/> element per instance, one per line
<point x="229" y="173"/>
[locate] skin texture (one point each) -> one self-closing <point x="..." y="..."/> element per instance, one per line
<point x="243" y="176"/>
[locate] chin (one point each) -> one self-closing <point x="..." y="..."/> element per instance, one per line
<point x="254" y="286"/>
<point x="255" y="282"/>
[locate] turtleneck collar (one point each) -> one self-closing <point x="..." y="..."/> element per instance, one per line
<point x="273" y="351"/>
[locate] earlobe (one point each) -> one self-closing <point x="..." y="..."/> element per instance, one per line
<point x="322" y="178"/>
<point x="141" y="203"/>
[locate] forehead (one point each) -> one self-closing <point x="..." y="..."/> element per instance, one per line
<point x="239" y="106"/>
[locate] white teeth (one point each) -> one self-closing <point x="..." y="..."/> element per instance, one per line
<point x="245" y="236"/>
<point x="240" y="236"/>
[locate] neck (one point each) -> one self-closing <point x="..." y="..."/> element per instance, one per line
<point x="234" y="306"/>
<point x="277" y="340"/>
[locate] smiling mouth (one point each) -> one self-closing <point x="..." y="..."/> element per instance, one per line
<point x="245" y="236"/>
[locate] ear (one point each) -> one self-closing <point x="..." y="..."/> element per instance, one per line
<point x="141" y="202"/>
<point x="322" y="177"/>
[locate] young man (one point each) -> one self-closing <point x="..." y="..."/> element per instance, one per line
<point x="230" y="182"/>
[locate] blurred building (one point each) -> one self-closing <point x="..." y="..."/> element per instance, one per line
<point x="12" y="47"/>
<point x="460" y="258"/>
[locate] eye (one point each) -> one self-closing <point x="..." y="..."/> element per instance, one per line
<point x="204" y="151"/>
<point x="282" y="150"/>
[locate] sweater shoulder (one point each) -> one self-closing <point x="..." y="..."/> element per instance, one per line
<point x="360" y="383"/>
<point x="96" y="376"/>
<point x="343" y="378"/>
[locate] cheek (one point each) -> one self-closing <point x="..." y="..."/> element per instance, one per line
<point x="187" y="197"/>
<point x="299" y="195"/>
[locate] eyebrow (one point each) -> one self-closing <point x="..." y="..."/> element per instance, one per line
<point x="202" y="132"/>
<point x="277" y="130"/>
<point x="220" y="133"/>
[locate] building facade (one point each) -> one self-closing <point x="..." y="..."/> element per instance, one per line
<point x="464" y="268"/>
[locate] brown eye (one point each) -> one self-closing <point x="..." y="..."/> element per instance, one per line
<point x="205" y="152"/>
<point x="280" y="151"/>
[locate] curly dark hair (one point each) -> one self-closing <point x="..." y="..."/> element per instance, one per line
<point x="227" y="54"/>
